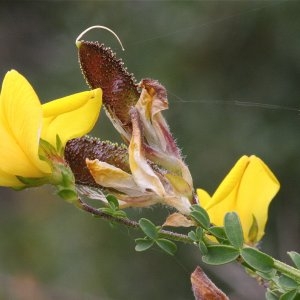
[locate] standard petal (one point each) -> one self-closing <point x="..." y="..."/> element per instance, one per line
<point x="257" y="188"/>
<point x="230" y="181"/>
<point x="20" y="125"/>
<point x="217" y="210"/>
<point x="204" y="198"/>
<point x="71" y="116"/>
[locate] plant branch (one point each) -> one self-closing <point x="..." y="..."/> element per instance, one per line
<point x="97" y="212"/>
<point x="178" y="237"/>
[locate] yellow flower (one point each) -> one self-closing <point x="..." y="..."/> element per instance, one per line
<point x="248" y="190"/>
<point x="24" y="121"/>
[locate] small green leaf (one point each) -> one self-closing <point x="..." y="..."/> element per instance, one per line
<point x="192" y="235"/>
<point x="257" y="259"/>
<point x="199" y="233"/>
<point x="233" y="229"/>
<point x="287" y="282"/>
<point x="120" y="214"/>
<point x="148" y="228"/>
<point x="267" y="275"/>
<point x="113" y="201"/>
<point x="291" y="295"/>
<point x="59" y="145"/>
<point x="200" y="215"/>
<point x="202" y="247"/>
<point x="111" y="210"/>
<point x="220" y="254"/>
<point x="295" y="256"/>
<point x="218" y="233"/>
<point x="167" y="245"/>
<point x="143" y="244"/>
<point x="270" y="295"/>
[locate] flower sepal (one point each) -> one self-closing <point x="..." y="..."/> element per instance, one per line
<point x="64" y="181"/>
<point x="253" y="232"/>
<point x="31" y="182"/>
<point x="61" y="176"/>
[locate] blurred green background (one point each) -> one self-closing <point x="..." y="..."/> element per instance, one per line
<point x="232" y="71"/>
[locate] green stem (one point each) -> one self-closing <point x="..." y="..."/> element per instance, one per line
<point x="177" y="237"/>
<point x="287" y="270"/>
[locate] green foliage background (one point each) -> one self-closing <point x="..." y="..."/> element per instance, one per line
<point x="232" y="71"/>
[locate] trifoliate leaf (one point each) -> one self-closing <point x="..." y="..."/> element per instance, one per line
<point x="233" y="229"/>
<point x="257" y="259"/>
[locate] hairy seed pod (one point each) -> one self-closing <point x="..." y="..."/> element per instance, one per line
<point x="77" y="150"/>
<point x="102" y="69"/>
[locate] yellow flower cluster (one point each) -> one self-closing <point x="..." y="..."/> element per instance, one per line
<point x="24" y="123"/>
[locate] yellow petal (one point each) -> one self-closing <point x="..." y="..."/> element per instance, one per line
<point x="71" y="116"/>
<point x="257" y="188"/>
<point x="230" y="181"/>
<point x="248" y="190"/>
<point x="204" y="198"/>
<point x="9" y="180"/>
<point x="215" y="210"/>
<point x="20" y="125"/>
